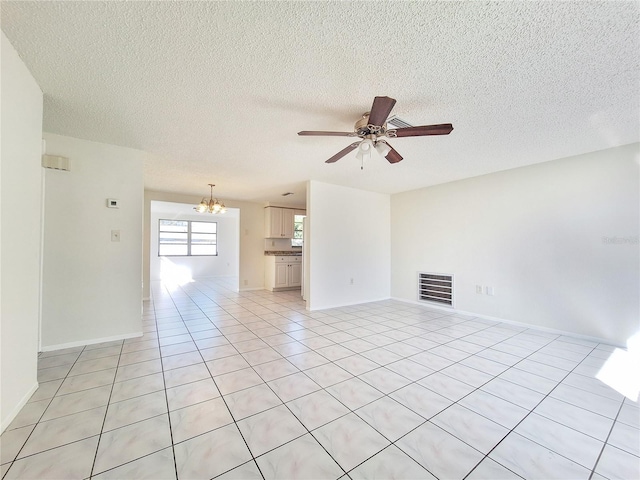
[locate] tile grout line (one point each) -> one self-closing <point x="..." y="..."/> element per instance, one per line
<point x="428" y="420"/>
<point x="606" y="442"/>
<point x="531" y="411"/>
<point x="383" y="394"/>
<point x="217" y="387"/>
<point x="42" y="415"/>
<point x="550" y="340"/>
<point x="106" y="412"/>
<point x="329" y="361"/>
<point x="453" y="339"/>
<point x="164" y="383"/>
<point x="132" y="423"/>
<point x="283" y="403"/>
<point x="479" y="387"/>
<point x="411" y="381"/>
<point x="247" y="311"/>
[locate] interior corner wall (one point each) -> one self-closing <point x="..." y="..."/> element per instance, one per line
<point x="558" y="241"/>
<point x="20" y="219"/>
<point x="349" y="240"/>
<point x="92" y="285"/>
<point x="251" y="255"/>
<point x="225" y="264"/>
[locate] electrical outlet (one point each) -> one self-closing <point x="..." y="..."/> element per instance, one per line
<point x="246" y="282"/>
<point x="115" y="235"/>
<point x="351" y="281"/>
<point x="490" y="291"/>
<point x="479" y="289"/>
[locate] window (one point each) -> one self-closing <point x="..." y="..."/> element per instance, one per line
<point x="186" y="238"/>
<point x="297" y="239"/>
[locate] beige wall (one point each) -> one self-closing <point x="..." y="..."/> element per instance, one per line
<point x="251" y="271"/>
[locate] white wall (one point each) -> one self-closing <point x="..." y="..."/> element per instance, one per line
<point x="20" y="215"/>
<point x="349" y="238"/>
<point x="92" y="287"/>
<point x="251" y="255"/>
<point x="536" y="235"/>
<point x="225" y="264"/>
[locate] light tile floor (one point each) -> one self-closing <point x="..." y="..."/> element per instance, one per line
<point x="250" y="385"/>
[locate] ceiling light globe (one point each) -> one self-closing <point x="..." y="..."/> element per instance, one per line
<point x="383" y="148"/>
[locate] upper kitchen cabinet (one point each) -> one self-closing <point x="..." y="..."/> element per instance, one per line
<point x="278" y="222"/>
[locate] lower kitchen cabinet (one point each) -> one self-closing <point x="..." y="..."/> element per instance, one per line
<point x="283" y="272"/>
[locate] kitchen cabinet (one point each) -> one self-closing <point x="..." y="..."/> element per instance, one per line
<point x="283" y="272"/>
<point x="278" y="222"/>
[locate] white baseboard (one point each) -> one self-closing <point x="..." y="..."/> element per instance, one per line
<point x="327" y="307"/>
<point x="16" y="410"/>
<point x="92" y="341"/>
<point x="251" y="289"/>
<point x="453" y="311"/>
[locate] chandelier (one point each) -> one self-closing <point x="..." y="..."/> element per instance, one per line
<point x="212" y="205"/>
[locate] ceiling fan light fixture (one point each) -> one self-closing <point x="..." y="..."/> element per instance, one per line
<point x="364" y="151"/>
<point x="382" y="148"/>
<point x="375" y="124"/>
<point x="365" y="146"/>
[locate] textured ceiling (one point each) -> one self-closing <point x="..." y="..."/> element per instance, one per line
<point x="216" y="91"/>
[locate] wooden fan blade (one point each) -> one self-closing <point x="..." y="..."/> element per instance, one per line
<point x="380" y="110"/>
<point x="343" y="152"/>
<point x="327" y="134"/>
<point x="393" y="156"/>
<point x="441" y="129"/>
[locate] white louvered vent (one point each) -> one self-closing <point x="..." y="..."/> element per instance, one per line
<point x="397" y="122"/>
<point x="436" y="287"/>
<point x="55" y="162"/>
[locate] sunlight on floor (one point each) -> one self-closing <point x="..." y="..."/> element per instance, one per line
<point x="622" y="369"/>
<point x="174" y="276"/>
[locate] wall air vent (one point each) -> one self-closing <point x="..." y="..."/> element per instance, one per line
<point x="56" y="163"/>
<point x="436" y="287"/>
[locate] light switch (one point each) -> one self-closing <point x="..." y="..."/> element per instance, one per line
<point x="115" y="235"/>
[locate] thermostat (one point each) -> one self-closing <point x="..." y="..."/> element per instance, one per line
<point x="112" y="202"/>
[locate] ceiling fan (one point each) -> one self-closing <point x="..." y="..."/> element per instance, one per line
<point x="372" y="126"/>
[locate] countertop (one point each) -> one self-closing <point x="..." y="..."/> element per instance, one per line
<point x="280" y="253"/>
